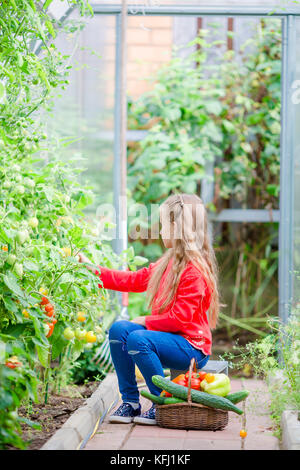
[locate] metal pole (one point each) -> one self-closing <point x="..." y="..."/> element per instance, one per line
<point x="286" y="225"/>
<point x="120" y="144"/>
<point x="198" y="10"/>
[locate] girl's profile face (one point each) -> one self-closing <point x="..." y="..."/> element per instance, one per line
<point x="167" y="230"/>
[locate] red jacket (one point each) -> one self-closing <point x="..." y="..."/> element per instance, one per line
<point x="185" y="316"/>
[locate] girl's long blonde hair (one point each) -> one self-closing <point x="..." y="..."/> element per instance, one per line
<point x="190" y="243"/>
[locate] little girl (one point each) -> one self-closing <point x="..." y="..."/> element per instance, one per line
<point x="181" y="286"/>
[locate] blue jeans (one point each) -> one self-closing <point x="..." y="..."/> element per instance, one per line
<point x="151" y="351"/>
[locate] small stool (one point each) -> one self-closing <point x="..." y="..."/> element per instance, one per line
<point x="216" y="367"/>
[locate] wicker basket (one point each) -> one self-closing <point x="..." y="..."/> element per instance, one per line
<point x="188" y="415"/>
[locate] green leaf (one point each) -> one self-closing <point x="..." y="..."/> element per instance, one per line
<point x="2" y="90"/>
<point x="42" y="353"/>
<point x="229" y="127"/>
<point x="31" y="266"/>
<point x="37" y="342"/>
<point x="58" y="342"/>
<point x="11" y="282"/>
<point x="50" y="28"/>
<point x="67" y="277"/>
<point x="10" y="304"/>
<point x="213" y="107"/>
<point x="83" y="199"/>
<point x="5" y="235"/>
<point x="273" y="189"/>
<point x="15" y="330"/>
<point x="30" y="423"/>
<point x="47" y="4"/>
<point x="139" y="260"/>
<point x="49" y="193"/>
<point x="75" y="234"/>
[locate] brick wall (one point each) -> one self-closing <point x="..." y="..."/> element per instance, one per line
<point x="149" y="45"/>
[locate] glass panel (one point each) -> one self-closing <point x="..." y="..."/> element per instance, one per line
<point x="84" y="113"/>
<point x="296" y="104"/>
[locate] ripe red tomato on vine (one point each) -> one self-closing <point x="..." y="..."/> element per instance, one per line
<point x="44" y="301"/>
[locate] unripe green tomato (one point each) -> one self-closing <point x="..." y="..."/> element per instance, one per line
<point x="7" y="184"/>
<point x="98" y="330"/>
<point x="33" y="222"/>
<point x="29" y="250"/>
<point x="20" y="189"/>
<point x="18" y="178"/>
<point x="80" y="334"/>
<point x="29" y="183"/>
<point x="22" y="236"/>
<point x="16" y="168"/>
<point x="18" y="268"/>
<point x="13" y="414"/>
<point x="68" y="333"/>
<point x="11" y="259"/>
<point x="100" y="337"/>
<point x="46" y="328"/>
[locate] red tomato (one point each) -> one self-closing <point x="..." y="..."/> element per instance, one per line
<point x="194" y="375"/>
<point x="195" y="383"/>
<point x="164" y="393"/>
<point x="51" y="328"/>
<point x="49" y="307"/>
<point x="10" y="365"/>
<point x="13" y="365"/>
<point x="44" y="301"/>
<point x="202" y="375"/>
<point x="54" y="321"/>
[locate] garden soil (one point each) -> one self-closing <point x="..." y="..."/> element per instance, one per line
<point x="53" y="415"/>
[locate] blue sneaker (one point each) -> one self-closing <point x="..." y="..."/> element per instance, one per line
<point x="146" y="418"/>
<point x="124" y="414"/>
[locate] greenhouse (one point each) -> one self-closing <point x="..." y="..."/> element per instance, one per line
<point x="150" y="224"/>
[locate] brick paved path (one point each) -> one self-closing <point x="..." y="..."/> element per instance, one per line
<point x="111" y="436"/>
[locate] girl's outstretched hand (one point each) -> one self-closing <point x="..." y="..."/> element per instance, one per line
<point x="139" y="320"/>
<point x="85" y="259"/>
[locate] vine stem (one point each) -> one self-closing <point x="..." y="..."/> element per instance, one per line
<point x="47" y="373"/>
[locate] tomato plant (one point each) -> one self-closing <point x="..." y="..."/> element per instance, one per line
<point x="34" y="193"/>
<point x="42" y="222"/>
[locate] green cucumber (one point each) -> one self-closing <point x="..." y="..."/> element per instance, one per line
<point x="154" y="398"/>
<point x="173" y="400"/>
<point x="203" y="398"/>
<point x="160" y="400"/>
<point x="236" y="397"/>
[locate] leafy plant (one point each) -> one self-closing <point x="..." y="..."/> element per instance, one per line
<point x="42" y="220"/>
<point x="275" y="358"/>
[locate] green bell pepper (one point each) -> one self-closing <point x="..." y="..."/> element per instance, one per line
<point x="220" y="386"/>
